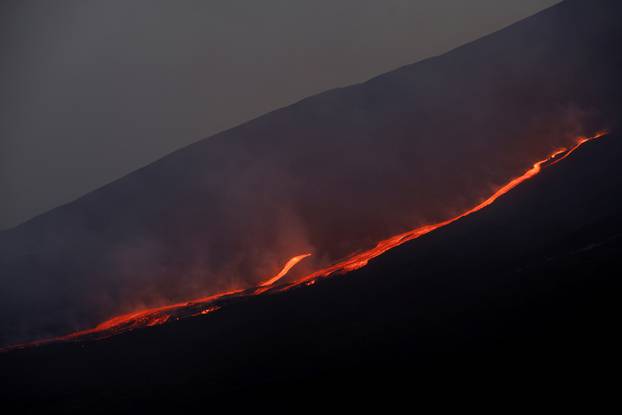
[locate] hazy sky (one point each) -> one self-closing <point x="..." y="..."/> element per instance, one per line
<point x="93" y="89"/>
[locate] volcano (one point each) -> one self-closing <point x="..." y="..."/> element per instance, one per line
<point x="204" y="275"/>
<point x="527" y="284"/>
<point x="159" y="315"/>
<point x="330" y="175"/>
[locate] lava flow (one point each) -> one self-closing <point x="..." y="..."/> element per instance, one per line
<point x="289" y="265"/>
<point x="206" y="305"/>
<point x="361" y="259"/>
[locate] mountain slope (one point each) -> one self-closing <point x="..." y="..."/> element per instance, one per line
<point x="329" y="175"/>
<point x="528" y="284"/>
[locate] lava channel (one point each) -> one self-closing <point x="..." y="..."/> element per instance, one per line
<point x="206" y="305"/>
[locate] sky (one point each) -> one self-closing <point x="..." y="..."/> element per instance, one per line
<point x="94" y="89"/>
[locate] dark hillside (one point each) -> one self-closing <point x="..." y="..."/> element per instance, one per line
<point x="528" y="286"/>
<point x="331" y="174"/>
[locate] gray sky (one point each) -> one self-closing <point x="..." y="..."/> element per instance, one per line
<point x="93" y="89"/>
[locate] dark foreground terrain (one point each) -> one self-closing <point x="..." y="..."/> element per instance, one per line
<point x="524" y="292"/>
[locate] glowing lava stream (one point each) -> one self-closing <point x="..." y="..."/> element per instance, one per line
<point x="289" y="265"/>
<point x="359" y="260"/>
<point x="161" y="315"/>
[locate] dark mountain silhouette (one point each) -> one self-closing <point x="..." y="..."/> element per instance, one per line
<point x="331" y="174"/>
<point x="526" y="287"/>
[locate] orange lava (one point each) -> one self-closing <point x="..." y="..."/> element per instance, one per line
<point x="144" y="318"/>
<point x="359" y="260"/>
<point x="160" y="315"/>
<point x="289" y="265"/>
